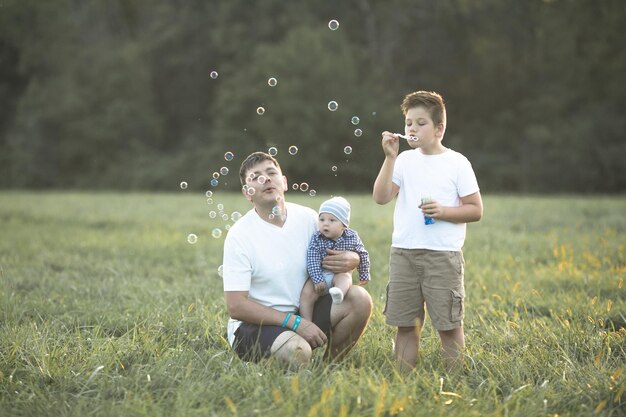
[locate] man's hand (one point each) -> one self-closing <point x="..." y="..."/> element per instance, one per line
<point x="311" y="333"/>
<point x="338" y="261"/>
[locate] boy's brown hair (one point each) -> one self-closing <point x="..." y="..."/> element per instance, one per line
<point x="253" y="159"/>
<point x="431" y="101"/>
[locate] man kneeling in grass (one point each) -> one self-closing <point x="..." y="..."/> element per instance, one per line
<point x="265" y="270"/>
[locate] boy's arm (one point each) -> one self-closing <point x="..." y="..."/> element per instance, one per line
<point x="470" y="210"/>
<point x="384" y="188"/>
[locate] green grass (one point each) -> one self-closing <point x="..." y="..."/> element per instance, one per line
<point x="106" y="309"/>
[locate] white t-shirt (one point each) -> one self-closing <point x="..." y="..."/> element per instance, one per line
<point x="444" y="177"/>
<point x="268" y="261"/>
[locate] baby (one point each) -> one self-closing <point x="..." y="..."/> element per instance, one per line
<point x="334" y="233"/>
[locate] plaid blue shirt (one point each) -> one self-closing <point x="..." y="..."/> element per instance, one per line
<point x="349" y="240"/>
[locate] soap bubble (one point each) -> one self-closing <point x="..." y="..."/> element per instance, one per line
<point x="214" y="182"/>
<point x="227" y="227"/>
<point x="262" y="179"/>
<point x="183" y="185"/>
<point x="260" y="111"/>
<point x="229" y="156"/>
<point x="216" y="175"/>
<point x="250" y="191"/>
<point x="212" y="214"/>
<point x="214" y="74"/>
<point x="312" y="193"/>
<point x="209" y="193"/>
<point x="272" y="82"/>
<point x="272" y="151"/>
<point x="235" y="216"/>
<point x="333" y="25"/>
<point x="276" y="210"/>
<point x="216" y="233"/>
<point x="358" y="132"/>
<point x="347" y="150"/>
<point x="224" y="216"/>
<point x="271" y="216"/>
<point x="220" y="207"/>
<point x="355" y="120"/>
<point x="334" y="168"/>
<point x="220" y="271"/>
<point x="224" y="171"/>
<point x="209" y="200"/>
<point x="304" y="186"/>
<point x="192" y="238"/>
<point x="332" y="105"/>
<point x="293" y="150"/>
<point x="295" y="186"/>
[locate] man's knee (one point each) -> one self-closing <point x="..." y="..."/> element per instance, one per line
<point x="291" y="349"/>
<point x="360" y="301"/>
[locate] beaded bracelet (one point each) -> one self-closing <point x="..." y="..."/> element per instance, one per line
<point x="287" y="317"/>
<point x="296" y="323"/>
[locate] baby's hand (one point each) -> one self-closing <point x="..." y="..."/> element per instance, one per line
<point x="320" y="288"/>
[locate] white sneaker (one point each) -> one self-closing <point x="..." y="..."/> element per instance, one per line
<point x="336" y="295"/>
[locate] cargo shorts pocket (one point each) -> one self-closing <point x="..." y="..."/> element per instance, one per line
<point x="457" y="311"/>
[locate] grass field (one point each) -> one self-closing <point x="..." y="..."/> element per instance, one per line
<point x="107" y="310"/>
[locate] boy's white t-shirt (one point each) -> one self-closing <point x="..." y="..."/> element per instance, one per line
<point x="444" y="177"/>
<point x="268" y="261"/>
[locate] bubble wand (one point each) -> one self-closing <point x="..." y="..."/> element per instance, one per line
<point x="407" y="137"/>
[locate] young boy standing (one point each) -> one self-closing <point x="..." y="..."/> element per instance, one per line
<point x="437" y="195"/>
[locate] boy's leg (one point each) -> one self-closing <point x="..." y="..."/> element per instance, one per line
<point x="341" y="284"/>
<point x="307" y="300"/>
<point x="445" y="295"/>
<point x="404" y="308"/>
<point x="453" y="343"/>
<point x="348" y="321"/>
<point x="407" y="346"/>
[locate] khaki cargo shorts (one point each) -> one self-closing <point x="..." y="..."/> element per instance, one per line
<point x="421" y="278"/>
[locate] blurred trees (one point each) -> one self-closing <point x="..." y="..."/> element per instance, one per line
<point x="117" y="94"/>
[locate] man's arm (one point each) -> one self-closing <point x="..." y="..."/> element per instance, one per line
<point x="240" y="307"/>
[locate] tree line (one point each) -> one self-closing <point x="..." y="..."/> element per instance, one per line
<point x="118" y="94"/>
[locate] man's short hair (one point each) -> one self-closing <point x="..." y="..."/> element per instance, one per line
<point x="253" y="159"/>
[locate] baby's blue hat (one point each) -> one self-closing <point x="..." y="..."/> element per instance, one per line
<point x="338" y="207"/>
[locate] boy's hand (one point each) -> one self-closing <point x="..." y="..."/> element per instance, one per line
<point x="320" y="288"/>
<point x="391" y="144"/>
<point x="432" y="209"/>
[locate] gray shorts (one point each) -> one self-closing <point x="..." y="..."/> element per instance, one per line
<point x="254" y="342"/>
<point x="421" y="279"/>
